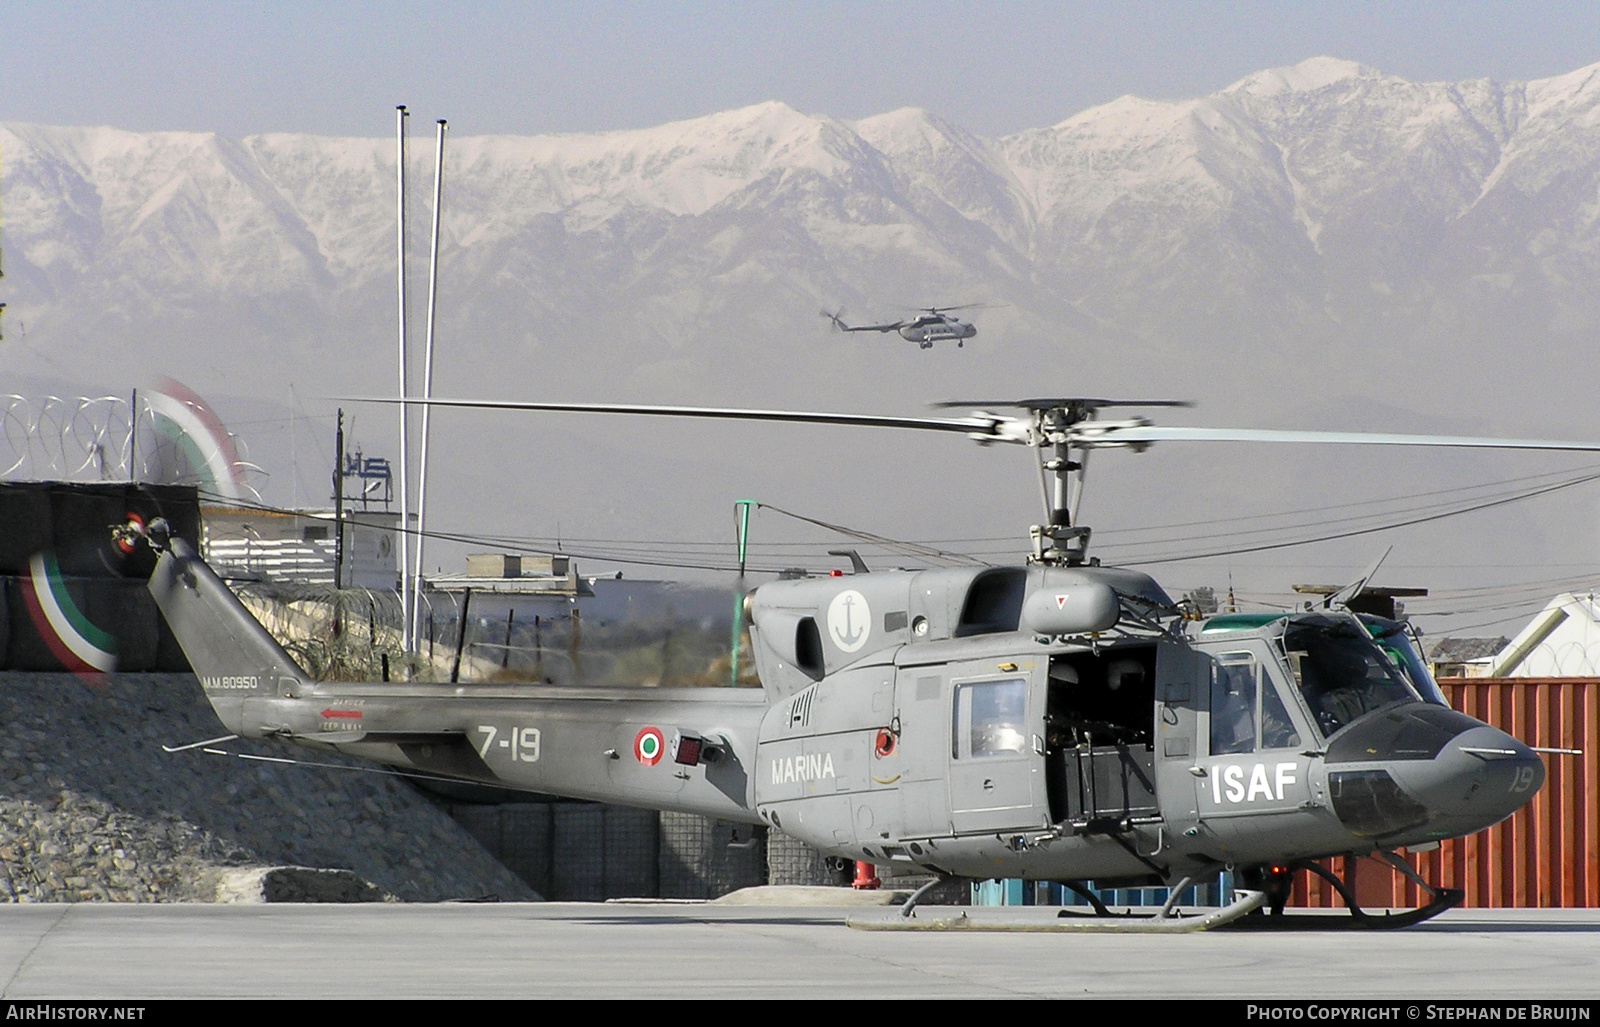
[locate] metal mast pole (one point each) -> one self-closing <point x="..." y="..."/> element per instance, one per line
<point x="405" y="504"/>
<point x="427" y="382"/>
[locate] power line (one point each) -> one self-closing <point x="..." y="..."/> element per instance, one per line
<point x="1592" y="468"/>
<point x="1354" y="533"/>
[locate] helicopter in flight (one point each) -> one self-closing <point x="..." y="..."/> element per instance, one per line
<point x="931" y="325"/>
<point x="1060" y="720"/>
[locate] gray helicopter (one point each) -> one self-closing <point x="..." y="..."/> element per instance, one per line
<point x="1061" y="721"/>
<point x="933" y="324"/>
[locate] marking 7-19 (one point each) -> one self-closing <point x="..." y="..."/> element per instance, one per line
<point x="523" y="742"/>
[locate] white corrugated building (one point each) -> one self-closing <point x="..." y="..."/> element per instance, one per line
<point x="1562" y="641"/>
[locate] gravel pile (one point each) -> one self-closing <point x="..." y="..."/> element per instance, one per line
<point x="91" y="808"/>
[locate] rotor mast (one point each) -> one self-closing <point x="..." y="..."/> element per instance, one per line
<point x="1060" y="539"/>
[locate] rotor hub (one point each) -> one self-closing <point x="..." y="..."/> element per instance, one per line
<point x="1054" y="428"/>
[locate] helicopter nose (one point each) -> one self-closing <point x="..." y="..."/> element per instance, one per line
<point x="1421" y="771"/>
<point x="1479" y="778"/>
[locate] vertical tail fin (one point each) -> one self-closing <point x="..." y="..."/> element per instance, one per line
<point x="232" y="654"/>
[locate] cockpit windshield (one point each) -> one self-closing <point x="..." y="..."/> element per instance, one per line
<point x="1341" y="672"/>
<point x="1400" y="642"/>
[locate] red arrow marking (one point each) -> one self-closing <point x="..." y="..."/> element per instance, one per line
<point x="351" y="714"/>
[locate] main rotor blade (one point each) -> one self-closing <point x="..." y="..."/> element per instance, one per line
<point x="959" y="306"/>
<point x="1064" y="402"/>
<point x="963" y="425"/>
<point x="1006" y="429"/>
<point x="1153" y="433"/>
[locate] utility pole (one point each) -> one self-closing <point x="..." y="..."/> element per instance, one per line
<point x="338" y="503"/>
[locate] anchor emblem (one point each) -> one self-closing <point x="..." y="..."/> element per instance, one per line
<point x="849" y="620"/>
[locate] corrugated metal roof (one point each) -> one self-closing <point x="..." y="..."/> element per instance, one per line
<point x="1463" y="650"/>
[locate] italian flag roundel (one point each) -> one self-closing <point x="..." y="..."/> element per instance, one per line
<point x="647" y="746"/>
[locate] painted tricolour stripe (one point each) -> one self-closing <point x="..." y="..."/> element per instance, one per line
<point x="79" y="645"/>
<point x="184" y="421"/>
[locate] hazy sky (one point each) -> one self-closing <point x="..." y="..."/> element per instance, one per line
<point x="291" y="66"/>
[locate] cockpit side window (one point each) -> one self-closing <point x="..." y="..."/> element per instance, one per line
<point x="1402" y="645"/>
<point x="1277" y="729"/>
<point x="1233" y="704"/>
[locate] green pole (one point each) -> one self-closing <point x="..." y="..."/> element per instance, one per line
<point x="741" y="517"/>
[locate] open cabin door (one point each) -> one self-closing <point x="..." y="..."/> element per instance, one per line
<point x="1099" y="722"/>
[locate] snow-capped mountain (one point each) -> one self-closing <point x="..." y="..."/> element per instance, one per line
<point x="1321" y="204"/>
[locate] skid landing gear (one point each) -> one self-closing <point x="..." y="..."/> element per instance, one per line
<point x="1167" y="921"/>
<point x="1259" y="903"/>
<point x="1275" y="884"/>
<point x="1244" y="903"/>
<point x="1441" y="898"/>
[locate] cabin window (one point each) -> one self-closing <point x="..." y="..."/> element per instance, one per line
<point x="991" y="718"/>
<point x="994" y="602"/>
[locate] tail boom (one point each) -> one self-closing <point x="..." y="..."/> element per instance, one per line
<point x="604" y="744"/>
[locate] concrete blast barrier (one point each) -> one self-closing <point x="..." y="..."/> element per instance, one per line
<point x="25" y="527"/>
<point x="792" y="861"/>
<point x="578" y="857"/>
<point x="588" y="852"/>
<point x="95" y="589"/>
<point x="703" y="858"/>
